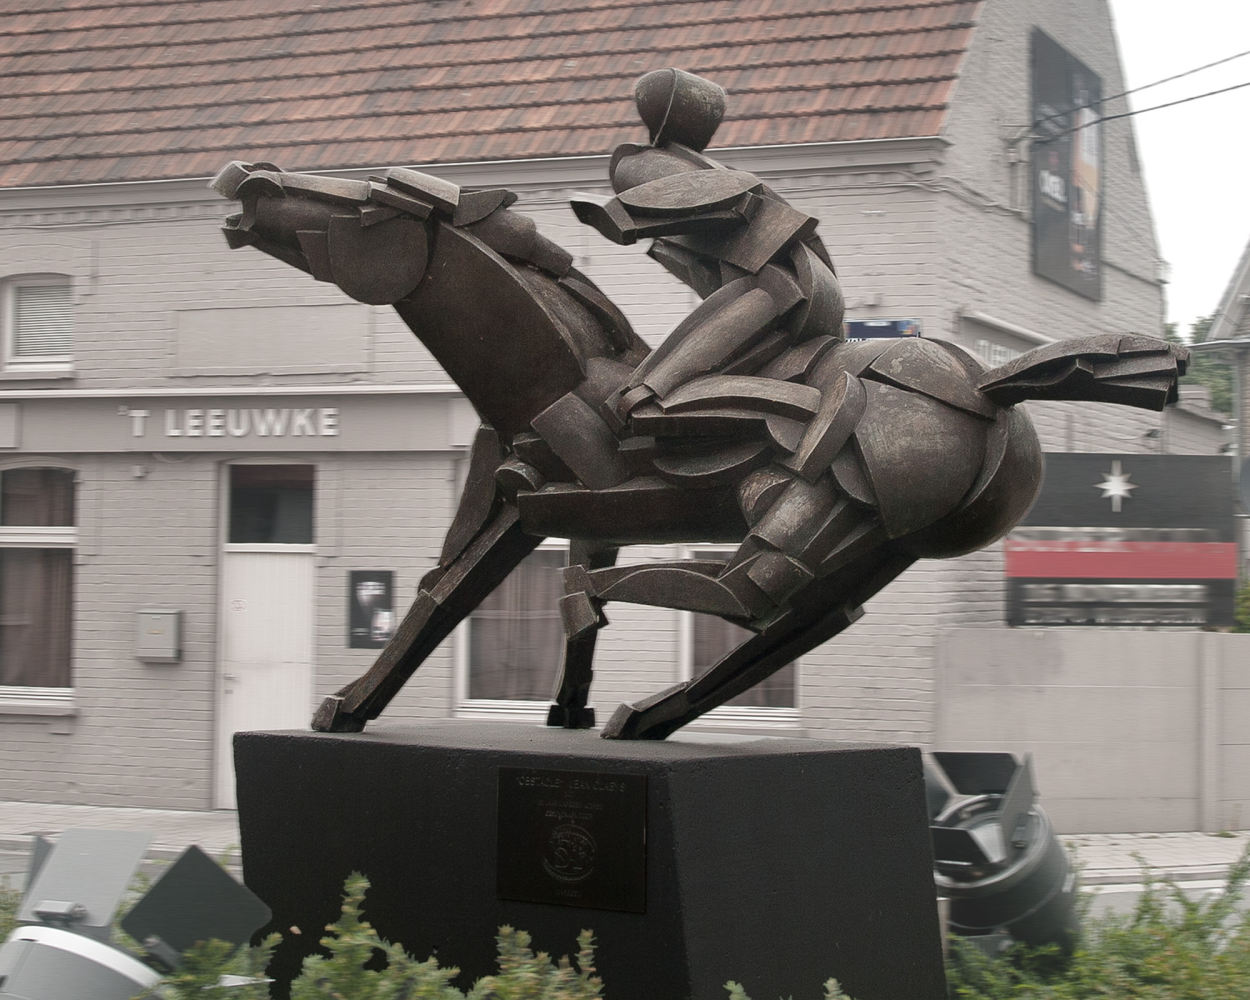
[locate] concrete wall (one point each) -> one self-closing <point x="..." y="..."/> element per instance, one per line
<point x="1141" y="731"/>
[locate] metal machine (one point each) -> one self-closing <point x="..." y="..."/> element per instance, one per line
<point x="64" y="948"/>
<point x="996" y="856"/>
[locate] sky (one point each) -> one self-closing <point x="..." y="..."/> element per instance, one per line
<point x="1196" y="156"/>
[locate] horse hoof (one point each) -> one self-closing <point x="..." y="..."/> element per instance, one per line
<point x="331" y="718"/>
<point x="570" y="718"/>
<point x="653" y="718"/>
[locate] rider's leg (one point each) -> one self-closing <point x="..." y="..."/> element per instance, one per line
<point x="725" y="324"/>
<point x="795" y="527"/>
<point x="773" y="561"/>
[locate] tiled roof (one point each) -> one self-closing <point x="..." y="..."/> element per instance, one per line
<point x="98" y="91"/>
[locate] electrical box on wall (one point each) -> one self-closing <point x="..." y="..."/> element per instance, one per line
<point x="158" y="637"/>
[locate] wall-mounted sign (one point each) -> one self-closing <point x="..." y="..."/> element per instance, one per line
<point x="1066" y="168"/>
<point x="370" y="608"/>
<point x="233" y="422"/>
<point x="1126" y="540"/>
<point x="347" y="419"/>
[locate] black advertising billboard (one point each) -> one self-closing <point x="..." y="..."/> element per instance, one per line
<point x="1126" y="540"/>
<point x="1066" y="168"/>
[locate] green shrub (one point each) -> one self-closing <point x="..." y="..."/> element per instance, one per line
<point x="1242" y="609"/>
<point x="352" y="944"/>
<point x="10" y="900"/>
<point x="205" y="964"/>
<point x="1168" y="948"/>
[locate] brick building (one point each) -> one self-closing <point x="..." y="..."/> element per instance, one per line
<point x="185" y="429"/>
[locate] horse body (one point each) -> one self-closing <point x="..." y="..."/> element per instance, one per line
<point x="832" y="466"/>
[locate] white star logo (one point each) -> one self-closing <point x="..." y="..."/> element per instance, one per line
<point x="1116" y="486"/>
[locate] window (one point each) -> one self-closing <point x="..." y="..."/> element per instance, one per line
<point x="995" y="354"/>
<point x="709" y="638"/>
<point x="37" y="314"/>
<point x="515" y="637"/>
<point x="271" y="504"/>
<point x="37" y="538"/>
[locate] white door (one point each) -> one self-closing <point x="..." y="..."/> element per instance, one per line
<point x="265" y="657"/>
<point x="266" y="649"/>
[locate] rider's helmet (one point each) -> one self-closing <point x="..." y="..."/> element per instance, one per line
<point x="679" y="107"/>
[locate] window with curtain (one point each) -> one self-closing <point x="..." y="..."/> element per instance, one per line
<point x="515" y="635"/>
<point x="37" y="538"/>
<point x="37" y="312"/>
<point x="712" y="637"/>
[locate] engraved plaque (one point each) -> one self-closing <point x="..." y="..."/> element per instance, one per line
<point x="574" y="838"/>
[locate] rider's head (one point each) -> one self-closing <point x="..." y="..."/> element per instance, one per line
<point x="679" y="107"/>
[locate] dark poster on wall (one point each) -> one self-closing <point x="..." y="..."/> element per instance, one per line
<point x="370" y="608"/>
<point x="1066" y="168"/>
<point x="1126" y="540"/>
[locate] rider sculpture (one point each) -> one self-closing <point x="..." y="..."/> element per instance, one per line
<point x="833" y="466"/>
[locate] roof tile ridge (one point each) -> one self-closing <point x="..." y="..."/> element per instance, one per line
<point x="234" y="145"/>
<point x="389" y="45"/>
<point x="576" y="6"/>
<point x="808" y="87"/>
<point x="775" y="64"/>
<point x="835" y="60"/>
<point x="415" y="22"/>
<point x="435" y="88"/>
<point x="363" y="5"/>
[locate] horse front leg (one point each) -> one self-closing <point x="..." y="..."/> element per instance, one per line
<point x="484" y="544"/>
<point x="582" y="614"/>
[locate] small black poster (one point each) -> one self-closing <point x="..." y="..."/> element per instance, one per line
<point x="574" y="838"/>
<point x="370" y="608"/>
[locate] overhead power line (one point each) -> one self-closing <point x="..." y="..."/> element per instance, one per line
<point x="1169" y="104"/>
<point x="1144" y="86"/>
<point x="1140" y="111"/>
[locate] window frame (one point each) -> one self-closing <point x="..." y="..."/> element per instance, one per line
<point x="37" y="700"/>
<point x="45" y="363"/>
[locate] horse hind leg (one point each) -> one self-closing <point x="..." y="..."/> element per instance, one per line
<point x="484" y="544"/>
<point x="756" y="658"/>
<point x="804" y="571"/>
<point x="582" y="614"/>
<point x="820" y="612"/>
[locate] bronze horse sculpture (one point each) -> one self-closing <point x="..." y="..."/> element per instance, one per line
<point x="832" y="465"/>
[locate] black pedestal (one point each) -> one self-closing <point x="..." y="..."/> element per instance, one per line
<point x="776" y="863"/>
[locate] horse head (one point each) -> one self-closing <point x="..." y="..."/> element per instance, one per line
<point x="500" y="307"/>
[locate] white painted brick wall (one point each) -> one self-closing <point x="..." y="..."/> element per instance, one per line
<point x="143" y="735"/>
